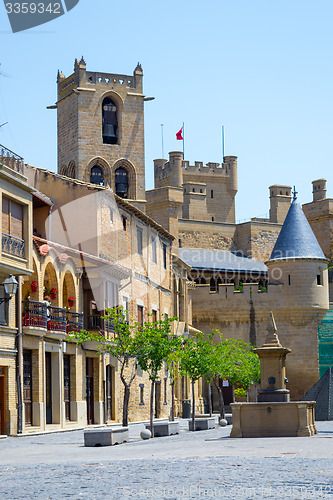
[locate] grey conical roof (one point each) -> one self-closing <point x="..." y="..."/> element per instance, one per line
<point x="322" y="393"/>
<point x="296" y="239"/>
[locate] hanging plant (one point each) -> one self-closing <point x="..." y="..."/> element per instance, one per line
<point x="53" y="293"/>
<point x="34" y="286"/>
<point x="71" y="301"/>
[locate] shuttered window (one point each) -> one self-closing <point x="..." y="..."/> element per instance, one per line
<point x="12" y="218"/>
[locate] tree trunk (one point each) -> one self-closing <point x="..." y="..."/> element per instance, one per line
<point x="221" y="402"/>
<point x="173" y="401"/>
<point x="152" y="408"/>
<point x="193" y="406"/>
<point x="210" y="399"/>
<point x="125" y="407"/>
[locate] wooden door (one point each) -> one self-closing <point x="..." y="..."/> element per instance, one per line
<point x="67" y="386"/>
<point x="48" y="384"/>
<point x="2" y="402"/>
<point x="90" y="390"/>
<point x="27" y="386"/>
<point x="109" y="392"/>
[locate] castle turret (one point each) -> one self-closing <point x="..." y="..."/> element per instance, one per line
<point x="298" y="264"/>
<point x="176" y="173"/>
<point x="280" y="197"/>
<point x="319" y="189"/>
<point x="231" y="166"/>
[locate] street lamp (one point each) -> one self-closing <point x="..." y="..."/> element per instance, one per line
<point x="10" y="285"/>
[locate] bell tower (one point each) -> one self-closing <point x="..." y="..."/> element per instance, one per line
<point x="100" y="120"/>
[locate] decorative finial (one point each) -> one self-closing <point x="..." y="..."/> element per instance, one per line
<point x="295" y="193"/>
<point x="271" y="339"/>
<point x="138" y="69"/>
<point x="76" y="64"/>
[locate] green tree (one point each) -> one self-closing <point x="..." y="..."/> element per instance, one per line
<point x="154" y="346"/>
<point x="195" y="358"/>
<point x="121" y="345"/>
<point x="235" y="361"/>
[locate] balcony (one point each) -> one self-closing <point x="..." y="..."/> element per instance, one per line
<point x="11" y="159"/>
<point x="97" y="323"/>
<point x="55" y="319"/>
<point x="74" y="322"/>
<point x="13" y="246"/>
<point x="34" y="314"/>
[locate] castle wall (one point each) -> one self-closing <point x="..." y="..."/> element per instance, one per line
<point x="244" y="315"/>
<point x="320" y="217"/>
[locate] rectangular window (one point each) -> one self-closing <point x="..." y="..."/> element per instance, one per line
<point x="139" y="235"/>
<point x="164" y="256"/>
<point x="154" y="316"/>
<point x="212" y="193"/>
<point x="289" y="280"/>
<point x="12" y="218"/>
<point x="319" y="280"/>
<point x="124" y="220"/>
<point x="140" y="315"/>
<point x="154" y="250"/>
<point x="141" y="394"/>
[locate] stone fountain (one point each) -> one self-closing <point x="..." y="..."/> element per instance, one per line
<point x="274" y="414"/>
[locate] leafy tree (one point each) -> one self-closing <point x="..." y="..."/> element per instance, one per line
<point x="195" y="360"/>
<point x="121" y="345"/>
<point x="154" y="346"/>
<point x="233" y="360"/>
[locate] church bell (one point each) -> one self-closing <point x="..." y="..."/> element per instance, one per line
<point x="108" y="131"/>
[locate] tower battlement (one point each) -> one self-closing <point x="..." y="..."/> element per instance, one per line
<point x="105" y="81"/>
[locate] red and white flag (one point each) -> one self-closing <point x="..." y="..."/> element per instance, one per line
<point x="179" y="135"/>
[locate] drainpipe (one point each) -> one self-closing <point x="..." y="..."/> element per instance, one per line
<point x="19" y="374"/>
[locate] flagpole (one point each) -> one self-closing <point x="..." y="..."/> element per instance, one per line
<point x="162" y="140"/>
<point x="223" y="144"/>
<point x="183" y="142"/>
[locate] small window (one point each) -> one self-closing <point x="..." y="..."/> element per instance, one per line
<point x="289" y="280"/>
<point x="140" y="315"/>
<point x="200" y="190"/>
<point x="213" y="218"/>
<point x="96" y="176"/>
<point x="124" y="220"/>
<point x="164" y="256"/>
<point x="212" y="194"/>
<point x="142" y="387"/>
<point x="139" y="236"/>
<point x="110" y="121"/>
<point x="154" y="316"/>
<point x="319" y="279"/>
<point x="154" y="250"/>
<point x="193" y="190"/>
<point x="111" y="215"/>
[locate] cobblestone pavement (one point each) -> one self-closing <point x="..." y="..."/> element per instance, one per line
<point x="205" y="464"/>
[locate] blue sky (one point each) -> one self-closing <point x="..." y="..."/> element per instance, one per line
<point x="261" y="68"/>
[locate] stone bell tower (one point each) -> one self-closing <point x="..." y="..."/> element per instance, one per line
<point x="101" y="129"/>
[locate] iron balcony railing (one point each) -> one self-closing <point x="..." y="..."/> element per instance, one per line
<point x="74" y="322"/>
<point x="57" y="319"/>
<point x="96" y="322"/>
<point x="13" y="245"/>
<point x="34" y="314"/>
<point x="11" y="159"/>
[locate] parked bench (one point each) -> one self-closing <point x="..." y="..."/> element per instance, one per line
<point x="106" y="437"/>
<point x="202" y="424"/>
<point x="164" y="428"/>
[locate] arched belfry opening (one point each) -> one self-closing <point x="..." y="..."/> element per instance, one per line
<point x="121" y="182"/>
<point x="97" y="175"/>
<point x="110" y="121"/>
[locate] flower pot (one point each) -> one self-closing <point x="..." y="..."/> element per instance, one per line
<point x="34" y="286"/>
<point x="71" y="302"/>
<point x="53" y="296"/>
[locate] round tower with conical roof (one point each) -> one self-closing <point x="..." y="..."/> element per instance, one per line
<point x="298" y="264"/>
